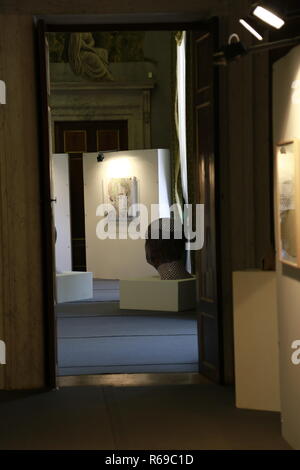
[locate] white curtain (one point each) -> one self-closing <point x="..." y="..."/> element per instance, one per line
<point x="181" y="121"/>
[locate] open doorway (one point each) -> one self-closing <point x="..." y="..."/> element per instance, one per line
<point x="115" y="115"/>
<point x="209" y="311"/>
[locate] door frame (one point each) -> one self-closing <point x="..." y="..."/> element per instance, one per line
<point x="44" y="27"/>
<point x="46" y="211"/>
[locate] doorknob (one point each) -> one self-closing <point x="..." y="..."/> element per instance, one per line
<point x="53" y="200"/>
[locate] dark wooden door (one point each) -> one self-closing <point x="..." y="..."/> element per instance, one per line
<point x="206" y="149"/>
<point x="90" y="136"/>
<point x="76" y="138"/>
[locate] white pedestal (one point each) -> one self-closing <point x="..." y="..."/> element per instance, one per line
<point x="75" y="285"/>
<point x="256" y="340"/>
<point x="151" y="293"/>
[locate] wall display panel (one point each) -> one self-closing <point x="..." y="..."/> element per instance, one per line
<point x="286" y="125"/>
<point x="146" y="173"/>
<point x="288" y="202"/>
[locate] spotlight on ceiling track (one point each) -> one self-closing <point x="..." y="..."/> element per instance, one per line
<point x="235" y="50"/>
<point x="247" y="24"/>
<point x="231" y="52"/>
<point x="268" y="16"/>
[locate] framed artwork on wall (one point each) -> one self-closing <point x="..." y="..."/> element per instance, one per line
<point x="288" y="202"/>
<point x="121" y="193"/>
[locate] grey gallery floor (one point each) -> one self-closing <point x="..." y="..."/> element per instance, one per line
<point x="97" y="337"/>
<point x="175" y="408"/>
<point x="115" y="417"/>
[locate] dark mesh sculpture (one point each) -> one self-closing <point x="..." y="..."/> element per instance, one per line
<point x="165" y="249"/>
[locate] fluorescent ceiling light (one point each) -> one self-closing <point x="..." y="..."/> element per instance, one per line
<point x="252" y="30"/>
<point x="268" y="17"/>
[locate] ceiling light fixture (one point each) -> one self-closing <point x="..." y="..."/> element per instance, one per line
<point x="251" y="29"/>
<point x="268" y="16"/>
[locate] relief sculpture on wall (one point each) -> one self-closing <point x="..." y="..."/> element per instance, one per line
<point x="86" y="60"/>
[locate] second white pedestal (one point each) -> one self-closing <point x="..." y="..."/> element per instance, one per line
<point x="151" y="293"/>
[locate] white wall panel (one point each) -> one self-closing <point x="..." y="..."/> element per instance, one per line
<point x="116" y="259"/>
<point x="61" y="208"/>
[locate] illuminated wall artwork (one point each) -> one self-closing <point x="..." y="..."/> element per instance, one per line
<point x="150" y="172"/>
<point x="122" y="194"/>
<point x="288" y="202"/>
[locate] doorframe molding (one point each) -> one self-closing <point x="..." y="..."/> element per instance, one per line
<point x="46" y="210"/>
